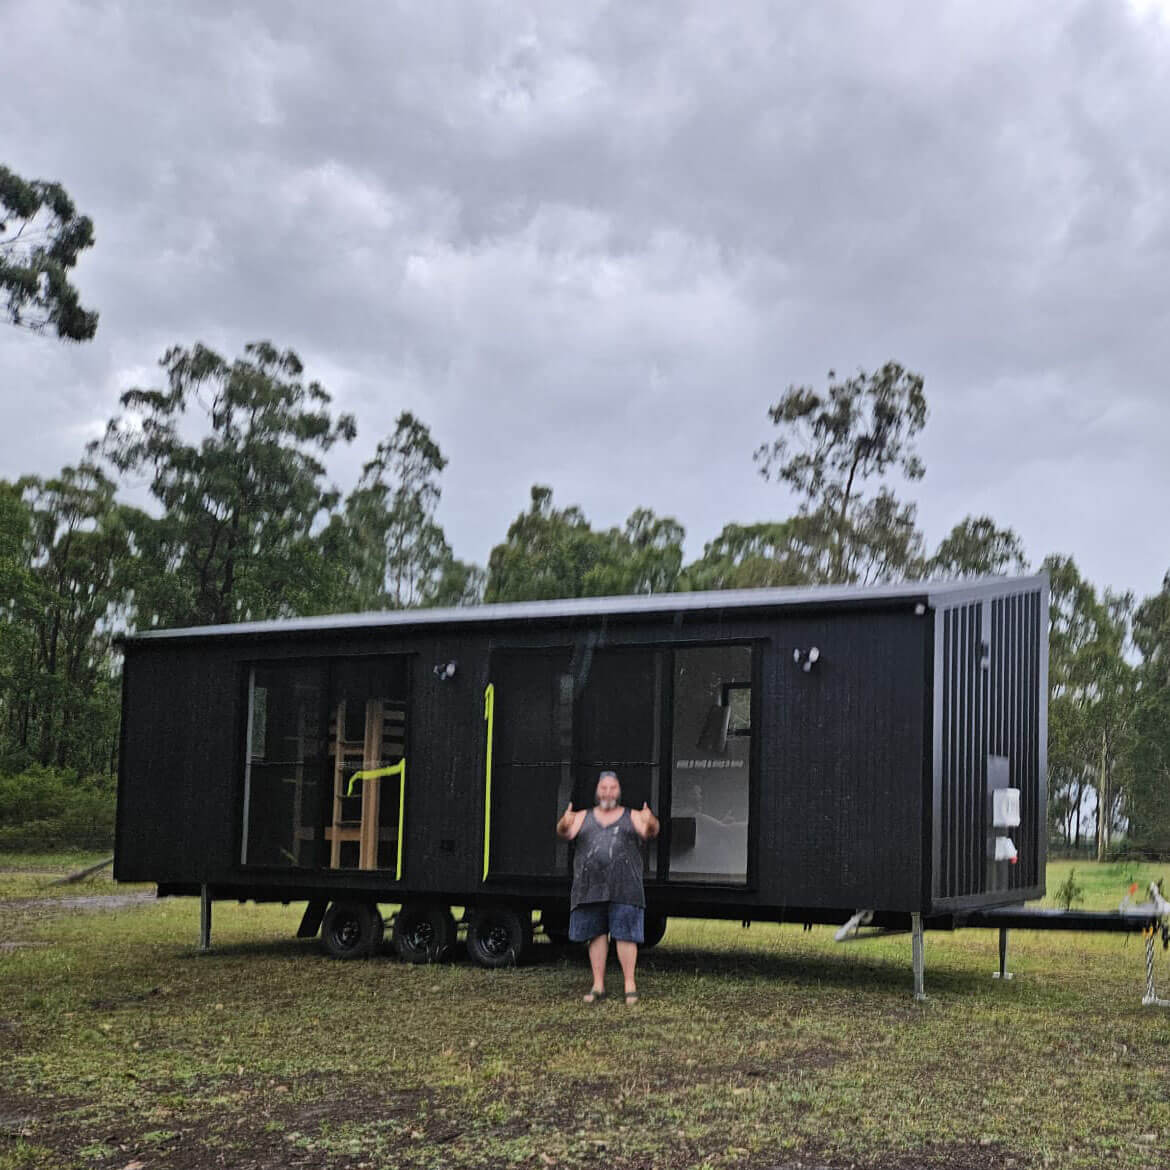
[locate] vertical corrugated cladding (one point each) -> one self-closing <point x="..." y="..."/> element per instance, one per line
<point x="960" y="838"/>
<point x="990" y="699"/>
<point x="1017" y="719"/>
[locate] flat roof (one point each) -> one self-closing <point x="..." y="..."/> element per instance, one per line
<point x="929" y="593"/>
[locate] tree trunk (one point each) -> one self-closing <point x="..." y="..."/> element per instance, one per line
<point x="1080" y="798"/>
<point x="1103" y="804"/>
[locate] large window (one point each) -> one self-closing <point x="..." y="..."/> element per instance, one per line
<point x="711" y="762"/>
<point x="285" y="766"/>
<point x="325" y="767"/>
<point x="367" y="758"/>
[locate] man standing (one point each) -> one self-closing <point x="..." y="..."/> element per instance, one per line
<point x="607" y="899"/>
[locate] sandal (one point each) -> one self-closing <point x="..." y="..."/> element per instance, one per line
<point x="631" y="997"/>
<point x="594" y="996"/>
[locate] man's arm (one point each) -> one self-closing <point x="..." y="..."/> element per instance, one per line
<point x="645" y="822"/>
<point x="570" y="823"/>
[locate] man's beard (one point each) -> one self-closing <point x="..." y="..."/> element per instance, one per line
<point x="606" y="805"/>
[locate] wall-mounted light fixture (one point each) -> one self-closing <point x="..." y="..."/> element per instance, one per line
<point x="805" y="658"/>
<point x="445" y="670"/>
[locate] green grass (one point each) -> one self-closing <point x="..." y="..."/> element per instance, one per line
<point x="54" y="863"/>
<point x="26" y="876"/>
<point x="1106" y="884"/>
<point x="752" y="1048"/>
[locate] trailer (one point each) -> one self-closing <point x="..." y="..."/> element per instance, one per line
<point x="811" y="753"/>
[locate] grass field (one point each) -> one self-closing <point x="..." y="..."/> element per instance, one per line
<point x="120" y="1046"/>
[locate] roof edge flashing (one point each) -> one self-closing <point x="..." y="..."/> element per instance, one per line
<point x="933" y="594"/>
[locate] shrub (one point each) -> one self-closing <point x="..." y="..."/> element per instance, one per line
<point x="43" y="809"/>
<point x="1070" y="891"/>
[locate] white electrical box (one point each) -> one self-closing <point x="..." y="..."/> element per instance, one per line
<point x="1005" y="849"/>
<point x="1005" y="808"/>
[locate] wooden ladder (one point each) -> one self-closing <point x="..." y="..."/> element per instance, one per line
<point x="385" y="729"/>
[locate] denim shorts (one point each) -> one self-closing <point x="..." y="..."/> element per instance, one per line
<point x="622" y="922"/>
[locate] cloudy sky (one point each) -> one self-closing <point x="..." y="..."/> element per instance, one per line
<point x="590" y="243"/>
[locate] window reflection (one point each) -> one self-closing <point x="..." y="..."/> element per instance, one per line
<point x="711" y="745"/>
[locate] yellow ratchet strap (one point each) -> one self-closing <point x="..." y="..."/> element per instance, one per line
<point x="489" y="714"/>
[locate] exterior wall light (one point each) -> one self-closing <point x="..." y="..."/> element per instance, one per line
<point x="806" y="658"/>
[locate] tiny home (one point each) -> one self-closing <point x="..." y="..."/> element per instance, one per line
<point x="809" y="753"/>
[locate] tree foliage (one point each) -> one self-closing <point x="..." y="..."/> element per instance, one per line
<point x="73" y="570"/>
<point x="1091" y="690"/>
<point x="1149" y="804"/>
<point x="386" y="548"/>
<point x="976" y="547"/>
<point x="232" y="453"/>
<point x="244" y="524"/>
<point x="41" y="239"/>
<point x="831" y="446"/>
<point x="552" y="552"/>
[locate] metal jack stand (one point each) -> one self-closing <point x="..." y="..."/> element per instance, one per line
<point x="204" y="919"/>
<point x="919" y="955"/>
<point x="1003" y="973"/>
<point x="1150" y="999"/>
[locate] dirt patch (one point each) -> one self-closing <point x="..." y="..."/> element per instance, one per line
<point x="345" y="1122"/>
<point x="948" y="1157"/>
<point x="83" y="902"/>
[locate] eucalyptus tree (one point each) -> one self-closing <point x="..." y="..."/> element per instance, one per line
<point x="554" y="552"/>
<point x="831" y="447"/>
<point x="643" y="556"/>
<point x="1091" y="697"/>
<point x="1149" y="806"/>
<point x="751" y="556"/>
<point x="232" y="454"/>
<point x="977" y="547"/>
<point x="386" y="546"/>
<point x="60" y="688"/>
<point x="41" y="238"/>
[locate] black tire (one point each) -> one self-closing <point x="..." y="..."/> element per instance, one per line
<point x="654" y="929"/>
<point x="351" y="930"/>
<point x="424" y="932"/>
<point x="498" y="936"/>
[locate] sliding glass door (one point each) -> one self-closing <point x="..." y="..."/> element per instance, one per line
<point x="674" y="724"/>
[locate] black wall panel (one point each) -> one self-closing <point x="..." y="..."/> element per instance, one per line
<point x="847" y="741"/>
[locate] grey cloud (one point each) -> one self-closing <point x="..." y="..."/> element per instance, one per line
<point x="591" y="243"/>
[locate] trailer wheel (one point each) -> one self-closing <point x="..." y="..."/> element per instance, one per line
<point x="498" y="936"/>
<point x="654" y="929"/>
<point x="424" y="932"/>
<point x="351" y="930"/>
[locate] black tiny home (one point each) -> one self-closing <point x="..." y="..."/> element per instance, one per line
<point x="810" y="753"/>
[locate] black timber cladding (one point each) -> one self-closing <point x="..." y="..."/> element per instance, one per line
<point x="843" y="771"/>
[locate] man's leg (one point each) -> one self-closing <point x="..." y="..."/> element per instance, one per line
<point x="628" y="957"/>
<point x="598" y="953"/>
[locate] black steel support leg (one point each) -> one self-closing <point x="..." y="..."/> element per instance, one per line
<point x="311" y="921"/>
<point x="204" y="918"/>
<point x="1003" y="972"/>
